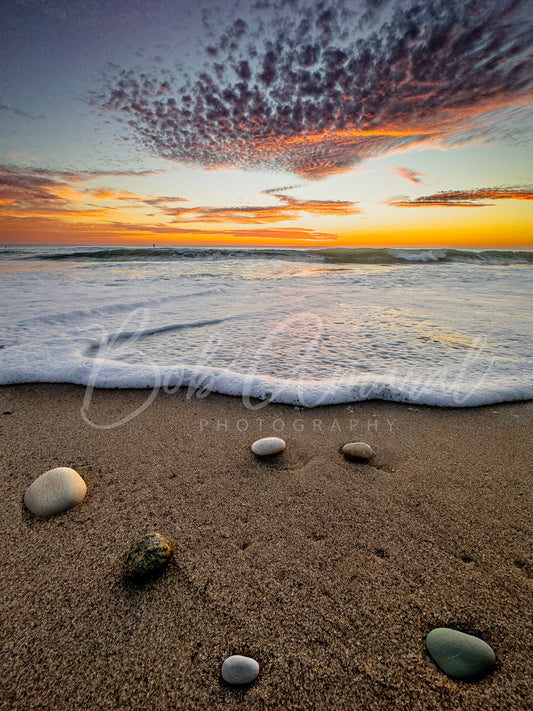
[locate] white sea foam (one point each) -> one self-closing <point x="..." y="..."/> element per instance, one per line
<point x="271" y="327"/>
<point x="420" y="255"/>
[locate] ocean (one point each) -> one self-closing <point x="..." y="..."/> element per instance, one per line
<point x="305" y="327"/>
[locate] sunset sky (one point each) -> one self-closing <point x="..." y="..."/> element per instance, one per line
<point x="267" y="122"/>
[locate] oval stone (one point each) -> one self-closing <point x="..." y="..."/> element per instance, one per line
<point x="147" y="556"/>
<point x="55" y="491"/>
<point x="268" y="445"/>
<point x="239" y="670"/>
<point x="357" y="450"/>
<point x="460" y="655"/>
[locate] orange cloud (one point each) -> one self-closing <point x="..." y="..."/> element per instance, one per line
<point x="290" y="209"/>
<point x="31" y="193"/>
<point x="40" y="197"/>
<point x="412" y="175"/>
<point x="111" y="194"/>
<point x="327" y="208"/>
<point x="466" y="198"/>
<point x="38" y="205"/>
<point x="41" y="229"/>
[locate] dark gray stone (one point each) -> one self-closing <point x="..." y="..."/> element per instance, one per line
<point x="460" y="655"/>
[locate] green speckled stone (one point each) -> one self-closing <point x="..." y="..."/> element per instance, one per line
<point x="147" y="556"/>
<point x="460" y="655"/>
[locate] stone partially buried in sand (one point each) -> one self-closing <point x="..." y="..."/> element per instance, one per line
<point x="239" y="670"/>
<point x="357" y="450"/>
<point x="460" y="655"/>
<point x="148" y="556"/>
<point x="55" y="491"/>
<point x="267" y="446"/>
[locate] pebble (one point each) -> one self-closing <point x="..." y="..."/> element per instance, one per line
<point x="239" y="670"/>
<point x="357" y="450"/>
<point x="460" y="655"/>
<point x="268" y="445"/>
<point x="147" y="556"/>
<point x="55" y="491"/>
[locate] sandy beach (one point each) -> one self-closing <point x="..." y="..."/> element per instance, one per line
<point x="329" y="572"/>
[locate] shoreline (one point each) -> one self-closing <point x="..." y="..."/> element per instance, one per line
<point x="329" y="572"/>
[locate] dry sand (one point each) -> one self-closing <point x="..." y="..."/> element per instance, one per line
<point x="329" y="572"/>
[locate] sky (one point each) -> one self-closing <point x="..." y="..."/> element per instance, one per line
<point x="267" y="122"/>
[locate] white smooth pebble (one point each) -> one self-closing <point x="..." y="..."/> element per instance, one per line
<point x="55" y="491"/>
<point x="239" y="670"/>
<point x="268" y="445"/>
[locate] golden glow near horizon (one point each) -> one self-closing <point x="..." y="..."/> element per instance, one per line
<point x="87" y="213"/>
<point x="371" y="124"/>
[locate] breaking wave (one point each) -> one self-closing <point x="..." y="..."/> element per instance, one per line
<point x="334" y="255"/>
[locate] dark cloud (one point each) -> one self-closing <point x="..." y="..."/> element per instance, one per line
<point x="277" y="191"/>
<point x="317" y="94"/>
<point x="18" y="112"/>
<point x="78" y="176"/>
<point x="23" y="188"/>
<point x="163" y="199"/>
<point x="466" y="198"/>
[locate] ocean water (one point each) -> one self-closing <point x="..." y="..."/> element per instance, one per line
<point x="305" y="327"/>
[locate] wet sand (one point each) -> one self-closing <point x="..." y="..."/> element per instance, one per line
<point x="329" y="572"/>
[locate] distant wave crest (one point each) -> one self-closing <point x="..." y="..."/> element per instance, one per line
<point x="161" y="254"/>
<point x="334" y="255"/>
<point x="424" y="256"/>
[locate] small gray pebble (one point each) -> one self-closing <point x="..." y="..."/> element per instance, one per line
<point x="239" y="670"/>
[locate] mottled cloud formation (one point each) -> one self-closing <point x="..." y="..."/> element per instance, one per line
<point x="466" y="198"/>
<point x="316" y="87"/>
<point x="412" y="175"/>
